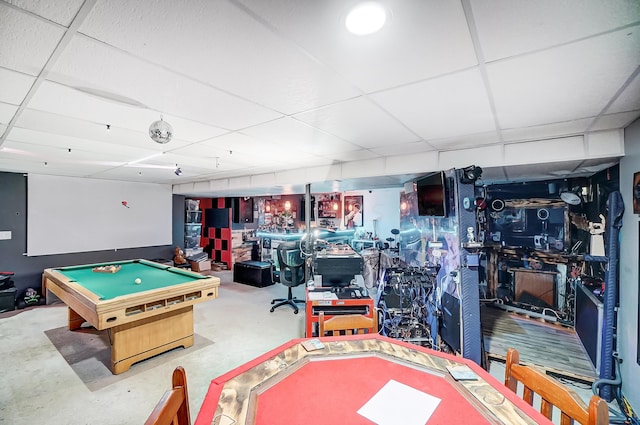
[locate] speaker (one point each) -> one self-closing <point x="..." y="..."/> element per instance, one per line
<point x="542" y="214"/>
<point x="216" y="217"/>
<point x="409" y="187"/>
<point x="242" y="210"/>
<point x="303" y="209"/>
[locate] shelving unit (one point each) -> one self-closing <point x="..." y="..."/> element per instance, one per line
<point x="192" y="227"/>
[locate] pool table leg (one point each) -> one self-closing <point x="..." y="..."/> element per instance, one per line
<point x="142" y="339"/>
<point x="75" y="320"/>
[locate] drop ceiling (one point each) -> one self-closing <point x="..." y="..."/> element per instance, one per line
<point x="267" y="96"/>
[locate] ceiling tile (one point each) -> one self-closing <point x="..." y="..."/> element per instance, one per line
<point x="12" y="165"/>
<point x="151" y="175"/>
<point x="558" y="85"/>
<point x="88" y="64"/>
<point x="443" y="107"/>
<point x="235" y="147"/>
<point x="56" y="157"/>
<point x="541" y="151"/>
<point x="629" y="99"/>
<point x="60" y="99"/>
<point x="358" y="155"/>
<point x="27" y="42"/>
<point x="359" y="121"/>
<point x="54" y="168"/>
<point x="80" y="147"/>
<point x="547" y="131"/>
<point x="467" y="140"/>
<point x="7" y="111"/>
<point x="511" y="27"/>
<point x="482" y="156"/>
<point x="59" y="11"/>
<point x="14" y="86"/>
<point x="218" y="43"/>
<point x="417" y="163"/>
<point x="621" y="120"/>
<point x="403" y="149"/>
<point x="439" y="39"/>
<point x="605" y="144"/>
<point x="362" y="168"/>
<point x="294" y="135"/>
<point x="67" y="126"/>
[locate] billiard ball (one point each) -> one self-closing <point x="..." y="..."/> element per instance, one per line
<point x="138" y="281"/>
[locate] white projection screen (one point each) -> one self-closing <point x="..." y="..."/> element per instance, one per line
<point x="68" y="214"/>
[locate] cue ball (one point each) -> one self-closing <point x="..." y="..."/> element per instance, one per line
<point x="138" y="281"/>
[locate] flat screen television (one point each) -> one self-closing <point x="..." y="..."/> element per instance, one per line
<point x="431" y="194"/>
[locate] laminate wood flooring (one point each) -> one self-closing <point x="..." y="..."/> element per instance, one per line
<point x="555" y="348"/>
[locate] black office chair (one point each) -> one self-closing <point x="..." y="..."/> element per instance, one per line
<point x="291" y="273"/>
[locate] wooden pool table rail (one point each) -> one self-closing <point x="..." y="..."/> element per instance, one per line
<point x="104" y="314"/>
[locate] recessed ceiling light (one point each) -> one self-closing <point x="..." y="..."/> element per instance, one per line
<point x="366" y="18"/>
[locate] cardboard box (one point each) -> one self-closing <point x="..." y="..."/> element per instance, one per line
<point x="201" y="266"/>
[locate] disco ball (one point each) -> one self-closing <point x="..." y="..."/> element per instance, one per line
<point x="161" y="131"/>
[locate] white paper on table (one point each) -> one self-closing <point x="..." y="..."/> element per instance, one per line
<point x="321" y="295"/>
<point x="397" y="403"/>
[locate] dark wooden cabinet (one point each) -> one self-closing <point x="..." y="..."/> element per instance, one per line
<point x="536" y="287"/>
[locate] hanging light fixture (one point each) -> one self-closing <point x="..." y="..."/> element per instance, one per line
<point x="161" y="131"/>
<point x="178" y="171"/>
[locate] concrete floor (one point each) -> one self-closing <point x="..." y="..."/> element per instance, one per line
<point x="48" y="380"/>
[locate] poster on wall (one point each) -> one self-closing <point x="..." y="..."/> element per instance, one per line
<point x="353" y="211"/>
<point x="329" y="205"/>
<point x="636" y="193"/>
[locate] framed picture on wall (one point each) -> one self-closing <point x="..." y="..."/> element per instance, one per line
<point x="329" y="205"/>
<point x="353" y="211"/>
<point x="636" y="193"/>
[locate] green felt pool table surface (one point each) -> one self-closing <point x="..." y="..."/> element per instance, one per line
<point x="110" y="285"/>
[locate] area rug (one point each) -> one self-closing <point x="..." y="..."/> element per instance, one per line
<point x="88" y="352"/>
<point x="498" y="322"/>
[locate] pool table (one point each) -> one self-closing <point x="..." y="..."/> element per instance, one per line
<point x="143" y="319"/>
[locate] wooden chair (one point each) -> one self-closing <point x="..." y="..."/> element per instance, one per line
<point x="553" y="393"/>
<point x="349" y="323"/>
<point x="173" y="407"/>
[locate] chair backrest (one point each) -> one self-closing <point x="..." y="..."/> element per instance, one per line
<point x="553" y="393"/>
<point x="173" y="407"/>
<point x="349" y="323"/>
<point x="291" y="264"/>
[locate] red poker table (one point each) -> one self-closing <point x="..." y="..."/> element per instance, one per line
<point x="334" y="384"/>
